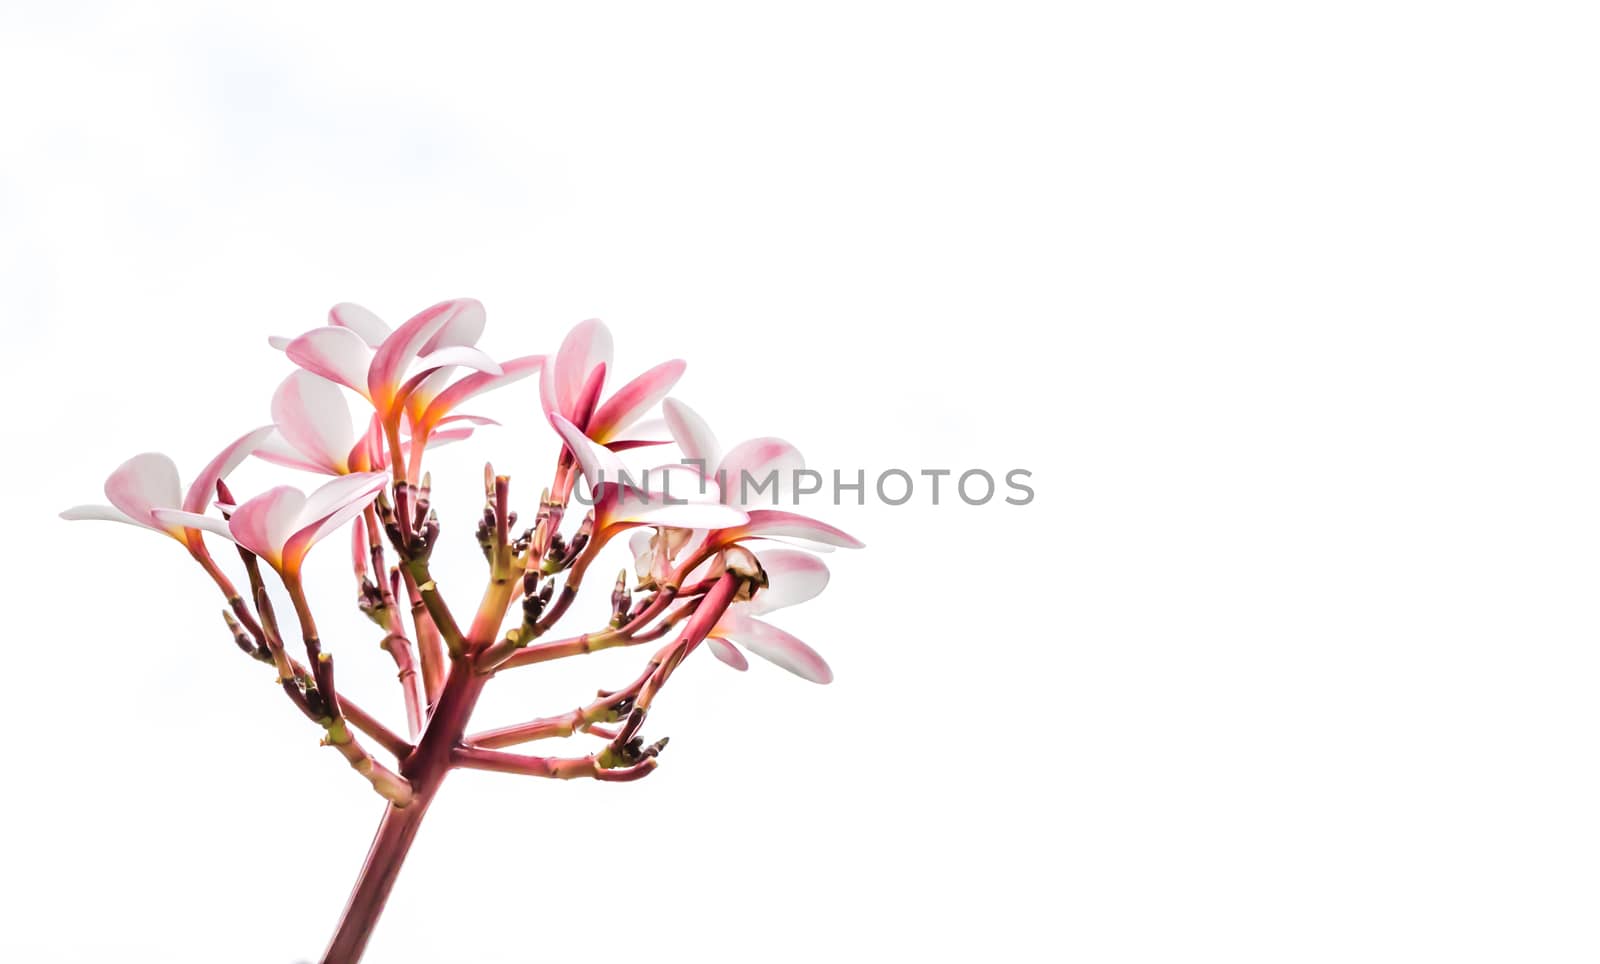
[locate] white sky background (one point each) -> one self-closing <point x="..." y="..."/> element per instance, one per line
<point x="1290" y="312"/>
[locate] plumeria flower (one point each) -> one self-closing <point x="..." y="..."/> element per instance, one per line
<point x="571" y="385"/>
<point x="282" y="524"/>
<point x="148" y="483"/>
<point x="724" y="477"/>
<point x="429" y="407"/>
<point x="312" y="430"/>
<point x="753" y="462"/>
<point x="356" y="350"/>
<point x="792" y="577"/>
<point x="739" y="476"/>
<point x="623" y="499"/>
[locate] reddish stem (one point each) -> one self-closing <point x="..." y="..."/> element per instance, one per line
<point x="395" y="835"/>
<point x="426" y="769"/>
<point x="429" y="646"/>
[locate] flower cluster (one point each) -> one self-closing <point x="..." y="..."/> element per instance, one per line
<point x="706" y="567"/>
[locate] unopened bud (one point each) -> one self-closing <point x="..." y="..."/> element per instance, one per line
<point x="557" y="551"/>
<point x="621" y="599"/>
<point x="580" y="539"/>
<point x="371" y="603"/>
<point x="425" y="496"/>
<point x="240" y="637"/>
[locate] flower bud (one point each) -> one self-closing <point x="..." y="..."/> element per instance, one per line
<point x="621" y="600"/>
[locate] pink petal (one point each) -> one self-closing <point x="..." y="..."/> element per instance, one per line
<point x="333" y="496"/>
<point x="745" y="469"/>
<point x="703" y="570"/>
<point x="279" y="342"/>
<point x="776" y="523"/>
<point x="514" y="370"/>
<point x="371" y="451"/>
<point x="679" y="481"/>
<point x="549" y="398"/>
<point x="643" y="554"/>
<point x="693" y="435"/>
<point x="312" y="416"/>
<point x="327" y="509"/>
<point x="623" y="445"/>
<point x="646" y="510"/>
<point x="422" y="388"/>
<point x="389" y="365"/>
<point x="588" y="397"/>
<point x="277" y="450"/>
<point x="337" y="354"/>
<point x="263" y="524"/>
<point x="369" y="326"/>
<point x="599" y="466"/>
<point x="632" y="400"/>
<point x="449" y="435"/>
<point x="102" y="513"/>
<point x="588" y="344"/>
<point x="464" y="356"/>
<point x="792" y="576"/>
<point x="651" y="429"/>
<point x="144" y="482"/>
<point x="176" y="519"/>
<point x="464" y="327"/>
<point x="775" y="646"/>
<point x="205" y="484"/>
<point x="725" y="651"/>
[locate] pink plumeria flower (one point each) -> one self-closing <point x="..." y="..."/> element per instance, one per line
<point x="571" y="385"/>
<point x="793" y="577"/>
<point x="282" y="524"/>
<point x="430" y="404"/>
<point x="355" y="349"/>
<point x="312" y="430"/>
<point x="753" y="461"/>
<point x="623" y="499"/>
<point x="148" y="483"/>
<point x="723" y="476"/>
<point x="736" y="474"/>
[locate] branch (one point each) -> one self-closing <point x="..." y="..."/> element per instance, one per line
<point x="625" y="744"/>
<point x="396" y="643"/>
<point x="368" y="724"/>
<point x="557" y="768"/>
<point x="429" y="644"/>
<point x="509" y="654"/>
<point x="390" y="785"/>
<point x="417" y="575"/>
<point x="609" y="708"/>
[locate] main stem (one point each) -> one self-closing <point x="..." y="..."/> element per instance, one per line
<point x="426" y="768"/>
<point x="428" y="764"/>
